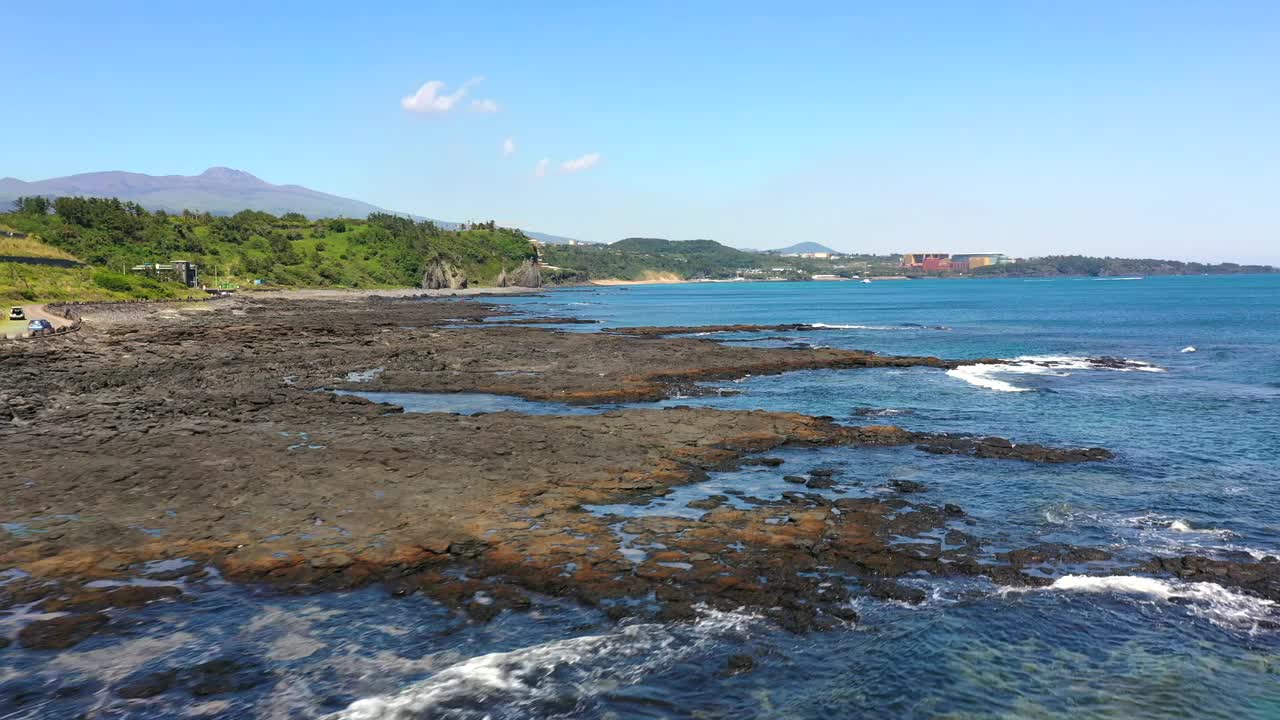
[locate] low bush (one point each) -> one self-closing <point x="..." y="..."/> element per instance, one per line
<point x="113" y="281"/>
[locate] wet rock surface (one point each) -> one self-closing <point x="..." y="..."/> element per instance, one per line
<point x="1261" y="578"/>
<point x="895" y="591"/>
<point x="61" y="632"/>
<point x="209" y="436"/>
<point x="212" y="677"/>
<point x="995" y="447"/>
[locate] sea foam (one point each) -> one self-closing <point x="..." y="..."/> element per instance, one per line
<point x="528" y="681"/>
<point x="985" y="375"/>
<point x="1217" y="604"/>
<point x="825" y="326"/>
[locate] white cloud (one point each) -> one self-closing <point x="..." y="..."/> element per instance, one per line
<point x="540" y="170"/>
<point x="430" y="98"/>
<point x="508" y="146"/>
<point x="484" y="106"/>
<point x="585" y="162"/>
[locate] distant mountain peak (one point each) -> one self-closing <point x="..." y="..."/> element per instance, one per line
<point x="231" y="176"/>
<point x="805" y="247"/>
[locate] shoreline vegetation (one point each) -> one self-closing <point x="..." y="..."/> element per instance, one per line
<point x="250" y="249"/>
<point x="98" y="240"/>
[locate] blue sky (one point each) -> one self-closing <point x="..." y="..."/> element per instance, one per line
<point x="1124" y="128"/>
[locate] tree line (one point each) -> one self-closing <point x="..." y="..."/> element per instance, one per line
<point x="252" y="245"/>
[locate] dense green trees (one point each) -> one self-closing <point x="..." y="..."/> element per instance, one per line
<point x="35" y="205"/>
<point x="384" y="250"/>
<point x="631" y="258"/>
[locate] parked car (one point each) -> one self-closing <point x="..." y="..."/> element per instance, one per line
<point x="15" y="313"/>
<point x="38" y="325"/>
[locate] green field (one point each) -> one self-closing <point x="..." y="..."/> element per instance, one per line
<point x="12" y="327"/>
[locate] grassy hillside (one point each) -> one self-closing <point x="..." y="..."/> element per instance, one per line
<point x="633" y="258"/>
<point x="28" y="283"/>
<point x="30" y="247"/>
<point x="20" y="284"/>
<point x="291" y="250"/>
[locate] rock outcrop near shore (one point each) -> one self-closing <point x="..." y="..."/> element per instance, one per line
<point x="440" y="275"/>
<point x="527" y="275"/>
<point x="209" y="436"/>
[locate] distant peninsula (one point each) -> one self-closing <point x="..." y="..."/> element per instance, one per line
<point x="640" y="258"/>
<point x="1085" y="266"/>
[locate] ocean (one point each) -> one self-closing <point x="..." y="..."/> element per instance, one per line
<point x="1179" y="376"/>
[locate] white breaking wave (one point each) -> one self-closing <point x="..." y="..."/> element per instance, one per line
<point x="825" y="326"/>
<point x="1208" y="600"/>
<point x="985" y="376"/>
<point x="1215" y="603"/>
<point x="514" y="684"/>
<point x="1188" y="349"/>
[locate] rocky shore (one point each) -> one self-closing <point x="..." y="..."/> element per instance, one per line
<point x="212" y="437"/>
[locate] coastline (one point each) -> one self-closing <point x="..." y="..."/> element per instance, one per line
<point x="227" y="407"/>
<point x="650" y="278"/>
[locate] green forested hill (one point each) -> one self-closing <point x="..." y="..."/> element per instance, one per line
<point x="1085" y="266"/>
<point x="380" y="251"/>
<point x="633" y="258"/>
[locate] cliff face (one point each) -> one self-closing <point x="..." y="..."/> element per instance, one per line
<point x="440" y="275"/>
<point x="527" y="275"/>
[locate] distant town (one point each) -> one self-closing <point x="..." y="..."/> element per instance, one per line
<point x="942" y="262"/>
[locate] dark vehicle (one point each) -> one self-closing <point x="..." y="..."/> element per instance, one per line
<point x="38" y="325"/>
<point x="15" y="313"/>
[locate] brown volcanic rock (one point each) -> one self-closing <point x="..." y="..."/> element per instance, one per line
<point x="101" y="599"/>
<point x="1259" y="578"/>
<point x="1000" y="448"/>
<point x="60" y="633"/>
<point x="201" y="436"/>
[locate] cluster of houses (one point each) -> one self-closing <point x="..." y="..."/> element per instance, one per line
<point x="941" y="262"/>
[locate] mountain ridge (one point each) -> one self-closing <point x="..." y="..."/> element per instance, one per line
<point x="218" y="190"/>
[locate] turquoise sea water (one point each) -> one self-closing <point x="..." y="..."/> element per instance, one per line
<point x="1197" y="470"/>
